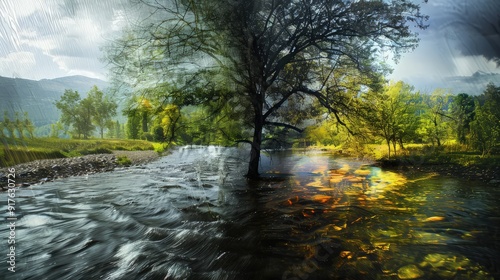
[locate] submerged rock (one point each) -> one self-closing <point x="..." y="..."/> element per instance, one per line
<point x="410" y="272"/>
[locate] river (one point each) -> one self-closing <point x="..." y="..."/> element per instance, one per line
<point x="192" y="215"/>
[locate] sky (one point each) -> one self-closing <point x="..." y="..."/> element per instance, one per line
<point x="43" y="39"/>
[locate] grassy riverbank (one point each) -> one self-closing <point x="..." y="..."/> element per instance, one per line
<point x="26" y="150"/>
<point x="447" y="160"/>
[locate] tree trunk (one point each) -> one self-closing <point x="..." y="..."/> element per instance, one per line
<point x="253" y="165"/>
<point x="144" y="121"/>
<point x="388" y="148"/>
<point x="401" y="145"/>
<point x="394" y="145"/>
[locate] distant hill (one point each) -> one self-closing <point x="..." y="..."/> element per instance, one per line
<point x="38" y="97"/>
<point x="474" y="84"/>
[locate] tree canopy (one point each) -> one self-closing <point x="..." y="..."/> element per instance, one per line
<point x="83" y="115"/>
<point x="263" y="54"/>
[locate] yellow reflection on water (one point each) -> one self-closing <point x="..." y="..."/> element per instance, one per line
<point x="348" y="202"/>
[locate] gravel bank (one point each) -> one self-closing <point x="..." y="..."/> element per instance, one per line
<point x="41" y="171"/>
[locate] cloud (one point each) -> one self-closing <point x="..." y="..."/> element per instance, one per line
<point x="67" y="32"/>
<point x="17" y="64"/>
<point x="65" y="36"/>
<point x="463" y="37"/>
<point x="472" y="28"/>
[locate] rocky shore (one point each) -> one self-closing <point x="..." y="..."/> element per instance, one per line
<point x="41" y="171"/>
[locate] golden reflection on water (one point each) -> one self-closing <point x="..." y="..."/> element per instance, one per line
<point x="336" y="199"/>
<point x="368" y="181"/>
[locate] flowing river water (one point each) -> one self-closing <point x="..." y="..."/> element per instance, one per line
<point x="192" y="215"/>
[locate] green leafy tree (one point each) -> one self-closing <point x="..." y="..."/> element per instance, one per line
<point x="169" y="120"/>
<point x="56" y="129"/>
<point x="133" y="124"/>
<point x="492" y="99"/>
<point x="139" y="114"/>
<point x="393" y="114"/>
<point x="485" y="128"/>
<point x="435" y="120"/>
<point x="19" y="125"/>
<point x="28" y="125"/>
<point x="9" y="125"/>
<point x="83" y="115"/>
<point x="462" y="112"/>
<point x="264" y="52"/>
<point x="83" y="125"/>
<point x="114" y="130"/>
<point x="104" y="109"/>
<point x="68" y="105"/>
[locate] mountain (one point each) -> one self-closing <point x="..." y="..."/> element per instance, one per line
<point x="474" y="84"/>
<point x="38" y="97"/>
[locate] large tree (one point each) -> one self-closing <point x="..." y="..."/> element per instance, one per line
<point x="82" y="114"/>
<point x="392" y="113"/>
<point x="85" y="112"/>
<point x="263" y="52"/>
<point x="485" y="128"/>
<point x="68" y="105"/>
<point x="104" y="109"/>
<point x="436" y="119"/>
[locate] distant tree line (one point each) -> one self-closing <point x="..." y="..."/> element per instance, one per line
<point x="81" y="117"/>
<point x="394" y="114"/>
<point x="399" y="115"/>
<point x="19" y="127"/>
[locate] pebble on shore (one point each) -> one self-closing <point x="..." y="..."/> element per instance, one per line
<point x="40" y="171"/>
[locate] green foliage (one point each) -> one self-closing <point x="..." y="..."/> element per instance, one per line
<point x="83" y="122"/>
<point x="124" y="161"/>
<point x="68" y="105"/>
<point x="393" y="114"/>
<point x="99" y="150"/>
<point x="19" y="127"/>
<point x="104" y="109"/>
<point x="133" y="125"/>
<point x="83" y="115"/>
<point x="56" y="130"/>
<point x="168" y="121"/>
<point x="12" y="156"/>
<point x="262" y="55"/>
<point x="435" y="120"/>
<point x="17" y="151"/>
<point x="485" y="134"/>
<point x="462" y="111"/>
<point x="159" y="134"/>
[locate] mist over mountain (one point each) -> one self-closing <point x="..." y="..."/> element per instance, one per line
<point x="38" y="97"/>
<point x="474" y="84"/>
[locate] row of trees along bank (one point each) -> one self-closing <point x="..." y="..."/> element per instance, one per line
<point x="19" y="127"/>
<point x="398" y="115"/>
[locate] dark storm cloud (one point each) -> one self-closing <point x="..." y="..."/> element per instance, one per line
<point x="472" y="28"/>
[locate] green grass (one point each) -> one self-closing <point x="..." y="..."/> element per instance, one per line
<point x="19" y="151"/>
<point x="124" y="160"/>
<point x="449" y="153"/>
<point x="427" y="154"/>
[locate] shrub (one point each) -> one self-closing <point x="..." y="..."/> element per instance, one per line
<point x="124" y="161"/>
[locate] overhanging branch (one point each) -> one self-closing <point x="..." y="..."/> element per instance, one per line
<point x="284" y="125"/>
